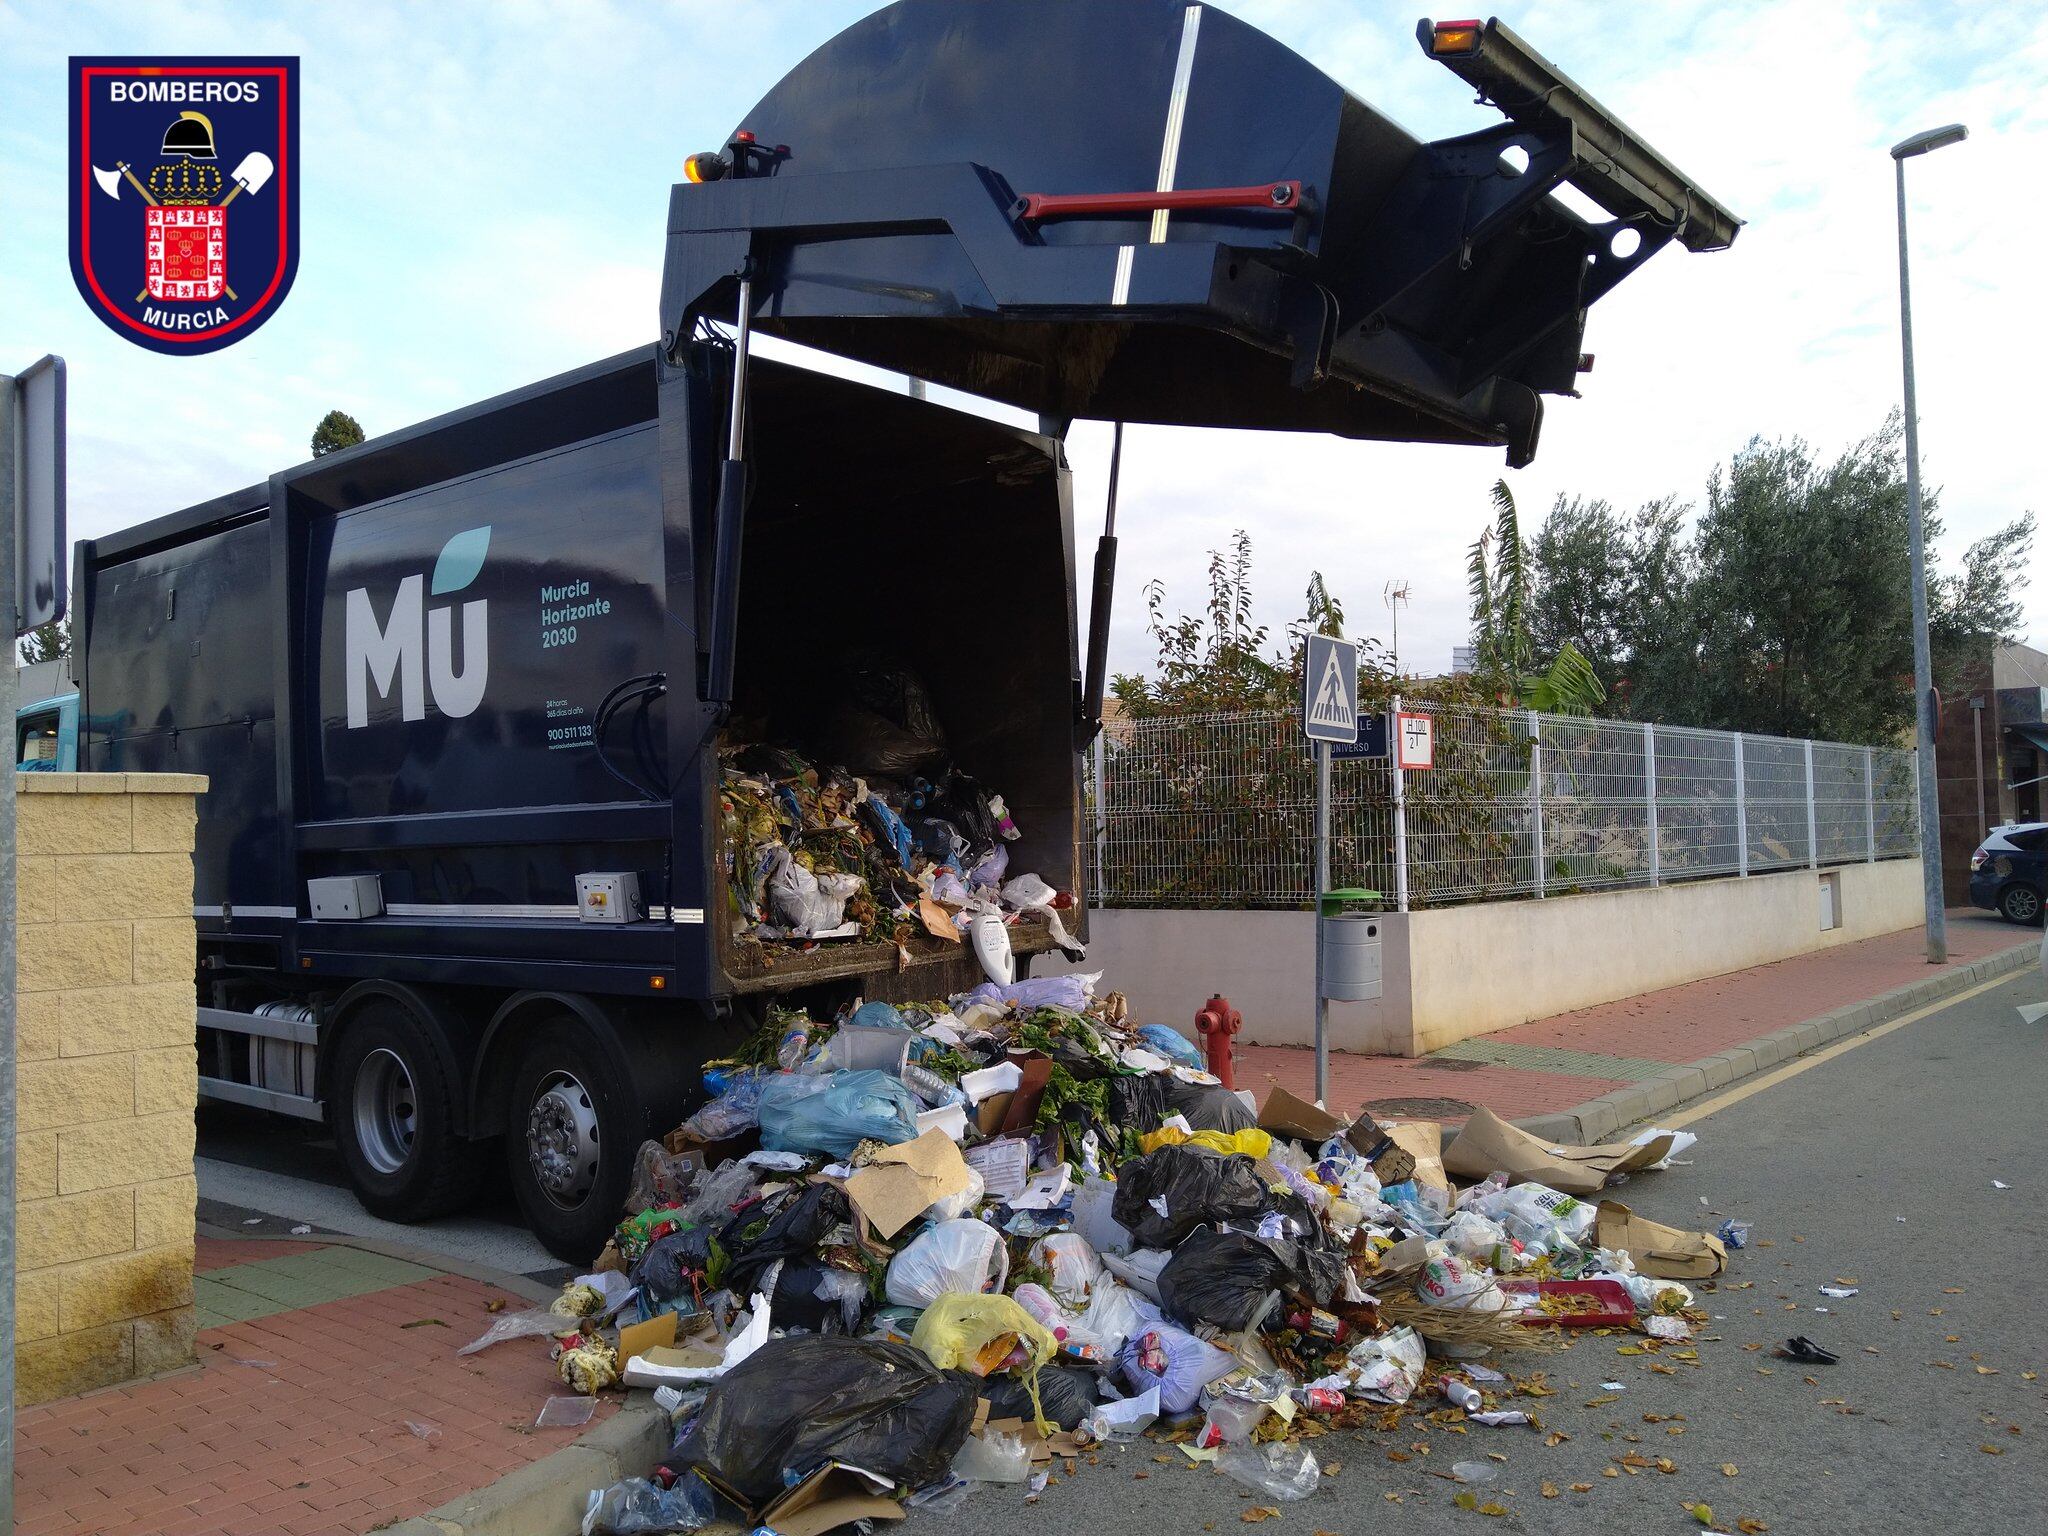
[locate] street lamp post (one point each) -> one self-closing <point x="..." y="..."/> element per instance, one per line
<point x="1923" y="665"/>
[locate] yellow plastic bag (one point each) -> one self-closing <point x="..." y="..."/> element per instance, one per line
<point x="1251" y="1141"/>
<point x="977" y="1334"/>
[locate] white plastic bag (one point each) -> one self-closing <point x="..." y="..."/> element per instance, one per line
<point x="962" y="1256"/>
<point x="1479" y="1238"/>
<point x="954" y="1206"/>
<point x="1176" y="1362"/>
<point x="1074" y="1265"/>
<point x="1386" y="1369"/>
<point x="1113" y="1314"/>
<point x="1457" y="1284"/>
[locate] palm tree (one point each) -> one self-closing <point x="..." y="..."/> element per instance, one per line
<point x="1499" y="582"/>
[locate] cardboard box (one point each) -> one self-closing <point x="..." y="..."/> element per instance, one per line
<point x="1666" y="1252"/>
<point x="1489" y="1144"/>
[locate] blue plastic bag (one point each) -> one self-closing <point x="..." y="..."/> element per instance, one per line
<point x="1173" y="1045"/>
<point x="836" y="1114"/>
<point x="878" y="1016"/>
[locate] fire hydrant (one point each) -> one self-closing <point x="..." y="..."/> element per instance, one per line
<point x="1217" y="1022"/>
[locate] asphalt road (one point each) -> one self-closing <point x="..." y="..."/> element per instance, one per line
<point x="1875" y="1165"/>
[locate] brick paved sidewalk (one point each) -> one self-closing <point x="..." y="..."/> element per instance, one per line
<point x="1552" y="1065"/>
<point x="328" y="1398"/>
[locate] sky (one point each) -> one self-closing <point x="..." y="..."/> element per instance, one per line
<point x="485" y="195"/>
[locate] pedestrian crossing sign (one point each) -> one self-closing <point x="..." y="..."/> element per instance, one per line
<point x="1329" y="690"/>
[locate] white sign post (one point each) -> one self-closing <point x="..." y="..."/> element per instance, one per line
<point x="1329" y="715"/>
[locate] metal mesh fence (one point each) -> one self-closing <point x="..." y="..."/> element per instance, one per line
<point x="1219" y="810"/>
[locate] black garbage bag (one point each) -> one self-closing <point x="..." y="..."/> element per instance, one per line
<point x="817" y="1297"/>
<point x="1138" y="1104"/>
<point x="1226" y="1278"/>
<point x="800" y="1401"/>
<point x="664" y="1271"/>
<point x="1207" y="1106"/>
<point x="1067" y="1391"/>
<point x="799" y="1218"/>
<point x="1194" y="1186"/>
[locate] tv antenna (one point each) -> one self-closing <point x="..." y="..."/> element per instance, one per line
<point x="1395" y="595"/>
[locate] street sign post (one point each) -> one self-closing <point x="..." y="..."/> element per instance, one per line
<point x="1329" y="718"/>
<point x="32" y="550"/>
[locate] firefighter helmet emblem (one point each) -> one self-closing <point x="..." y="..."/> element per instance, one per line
<point x="170" y="158"/>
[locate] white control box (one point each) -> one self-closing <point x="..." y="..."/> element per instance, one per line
<point x="341" y="898"/>
<point x="609" y="896"/>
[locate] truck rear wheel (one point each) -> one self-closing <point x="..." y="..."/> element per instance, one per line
<point x="572" y="1126"/>
<point x="391" y="1108"/>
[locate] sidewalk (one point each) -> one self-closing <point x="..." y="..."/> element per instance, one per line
<point x="1550" y="1066"/>
<point x="327" y="1398"/>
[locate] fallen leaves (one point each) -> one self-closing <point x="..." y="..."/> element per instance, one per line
<point x="1749" y="1525"/>
<point x="1729" y="1469"/>
<point x="1259" y="1512"/>
<point x="1666" y="1465"/>
<point x="1549" y="1490"/>
<point x="1704" y="1513"/>
<point x="1992" y="1450"/>
<point x="1987" y="1370"/>
<point x="1555" y="1438"/>
<point x="1582" y="1487"/>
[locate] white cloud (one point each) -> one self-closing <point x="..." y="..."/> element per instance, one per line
<point x="487" y="190"/>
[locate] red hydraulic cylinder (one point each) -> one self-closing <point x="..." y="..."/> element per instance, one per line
<point x="1218" y="1023"/>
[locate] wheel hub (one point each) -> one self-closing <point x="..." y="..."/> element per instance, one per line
<point x="561" y="1140"/>
<point x="386" y="1111"/>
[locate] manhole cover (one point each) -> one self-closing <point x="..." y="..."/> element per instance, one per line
<point x="1419" y="1109"/>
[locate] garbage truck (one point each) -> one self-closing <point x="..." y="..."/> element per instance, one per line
<point x="461" y="883"/>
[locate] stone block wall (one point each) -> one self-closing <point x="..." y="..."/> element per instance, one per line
<point x="107" y="1078"/>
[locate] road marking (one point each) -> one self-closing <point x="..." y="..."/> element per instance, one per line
<point x="1778" y="1075"/>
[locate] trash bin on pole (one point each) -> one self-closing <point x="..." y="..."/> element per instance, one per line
<point x="1350" y="948"/>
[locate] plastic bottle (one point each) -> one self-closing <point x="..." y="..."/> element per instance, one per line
<point x="796" y="1043"/>
<point x="929" y="1086"/>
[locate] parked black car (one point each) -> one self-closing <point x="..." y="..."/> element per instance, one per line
<point x="2009" y="871"/>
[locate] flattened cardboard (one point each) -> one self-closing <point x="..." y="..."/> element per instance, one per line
<point x="1490" y="1144"/>
<point x="829" y="1498"/>
<point x="904" y="1181"/>
<point x="1422" y="1140"/>
<point x="938" y="922"/>
<point x="1665" y="1252"/>
<point x="1286" y="1115"/>
<point x="656" y="1333"/>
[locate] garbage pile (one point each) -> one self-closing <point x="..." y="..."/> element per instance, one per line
<point x="910" y="1251"/>
<point x="883" y="839"/>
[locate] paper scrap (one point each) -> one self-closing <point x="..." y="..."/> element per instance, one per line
<point x="1004" y="1165"/>
<point x="1839" y="1292"/>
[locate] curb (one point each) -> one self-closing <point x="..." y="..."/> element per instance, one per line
<point x="547" y="1497"/>
<point x="1598" y="1119"/>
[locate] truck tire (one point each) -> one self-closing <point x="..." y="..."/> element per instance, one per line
<point x="572" y="1126"/>
<point x="391" y="1108"/>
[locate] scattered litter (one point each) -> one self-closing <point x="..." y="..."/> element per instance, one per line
<point x="923" y="1249"/>
<point x="257" y="1221"/>
<point x="1280" y="1470"/>
<point x="423" y="1429"/>
<point x="1803" y="1349"/>
<point x="565" y="1412"/>
<point x="301" y="1231"/>
<point x="1839" y="1292"/>
<point x="2000" y="1184"/>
